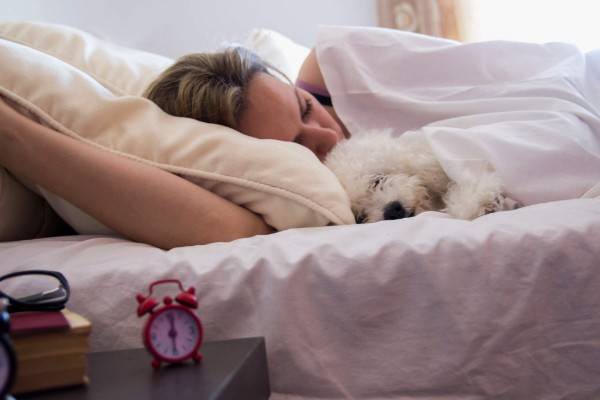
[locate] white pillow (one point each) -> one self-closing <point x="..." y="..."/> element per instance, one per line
<point x="279" y="50"/>
<point x="74" y="84"/>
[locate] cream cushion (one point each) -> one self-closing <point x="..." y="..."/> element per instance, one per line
<point x="89" y="90"/>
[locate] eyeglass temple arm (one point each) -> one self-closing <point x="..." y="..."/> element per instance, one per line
<point x="46" y="295"/>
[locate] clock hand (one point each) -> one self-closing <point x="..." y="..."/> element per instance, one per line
<point x="172" y="332"/>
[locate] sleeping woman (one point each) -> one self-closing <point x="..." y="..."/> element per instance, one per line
<point x="233" y="88"/>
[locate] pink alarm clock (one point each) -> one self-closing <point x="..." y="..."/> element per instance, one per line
<point x="173" y="333"/>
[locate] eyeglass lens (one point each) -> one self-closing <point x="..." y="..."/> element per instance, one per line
<point x="34" y="289"/>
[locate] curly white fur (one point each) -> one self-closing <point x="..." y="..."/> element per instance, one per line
<point x="390" y="177"/>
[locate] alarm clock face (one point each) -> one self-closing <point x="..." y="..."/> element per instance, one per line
<point x="173" y="333"/>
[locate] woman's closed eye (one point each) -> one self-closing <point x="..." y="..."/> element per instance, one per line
<point x="308" y="108"/>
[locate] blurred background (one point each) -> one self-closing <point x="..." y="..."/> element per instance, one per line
<point x="540" y="21"/>
<point x="175" y="27"/>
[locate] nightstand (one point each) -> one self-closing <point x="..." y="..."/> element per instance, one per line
<point x="230" y="369"/>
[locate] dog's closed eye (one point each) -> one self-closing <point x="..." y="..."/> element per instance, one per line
<point x="377" y="181"/>
<point x="361" y="218"/>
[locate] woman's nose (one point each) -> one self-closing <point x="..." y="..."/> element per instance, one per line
<point x="319" y="140"/>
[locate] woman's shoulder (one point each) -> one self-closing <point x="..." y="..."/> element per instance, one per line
<point x="310" y="71"/>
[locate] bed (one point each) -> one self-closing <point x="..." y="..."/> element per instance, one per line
<point x="502" y="307"/>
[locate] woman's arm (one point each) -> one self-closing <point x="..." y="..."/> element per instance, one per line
<point x="310" y="72"/>
<point x="136" y="200"/>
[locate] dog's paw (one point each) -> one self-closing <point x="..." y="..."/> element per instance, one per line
<point x="473" y="199"/>
<point x="510" y="204"/>
<point x="497" y="204"/>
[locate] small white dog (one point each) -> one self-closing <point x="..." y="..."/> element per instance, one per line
<point x="390" y="177"/>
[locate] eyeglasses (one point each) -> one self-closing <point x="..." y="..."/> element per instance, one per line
<point x="34" y="290"/>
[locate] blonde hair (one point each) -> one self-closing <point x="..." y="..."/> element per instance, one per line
<point x="209" y="87"/>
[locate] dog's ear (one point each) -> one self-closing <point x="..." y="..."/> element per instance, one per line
<point x="422" y="200"/>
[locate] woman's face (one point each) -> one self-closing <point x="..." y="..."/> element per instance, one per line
<point x="278" y="110"/>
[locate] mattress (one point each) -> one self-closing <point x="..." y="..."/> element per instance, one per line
<point x="505" y="306"/>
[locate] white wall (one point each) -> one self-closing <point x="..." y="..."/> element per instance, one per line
<point x="175" y="27"/>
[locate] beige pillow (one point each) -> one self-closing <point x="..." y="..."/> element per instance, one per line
<point x="120" y="69"/>
<point x="76" y="83"/>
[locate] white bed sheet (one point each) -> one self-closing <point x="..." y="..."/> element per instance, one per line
<point x="503" y="307"/>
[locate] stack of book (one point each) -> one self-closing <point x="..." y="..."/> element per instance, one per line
<point x="51" y="348"/>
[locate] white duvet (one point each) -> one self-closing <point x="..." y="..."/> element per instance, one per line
<point x="531" y="112"/>
<point x="503" y="307"/>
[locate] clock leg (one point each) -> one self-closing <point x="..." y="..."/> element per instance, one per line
<point x="197" y="357"/>
<point x="156" y="363"/>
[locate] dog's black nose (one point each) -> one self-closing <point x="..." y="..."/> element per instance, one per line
<point x="394" y="210"/>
